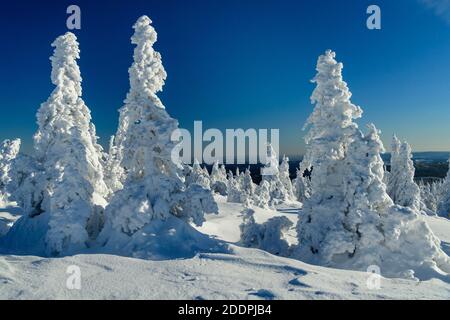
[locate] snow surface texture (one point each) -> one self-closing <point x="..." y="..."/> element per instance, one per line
<point x="244" y="273"/>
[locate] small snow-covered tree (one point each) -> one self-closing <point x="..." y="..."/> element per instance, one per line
<point x="68" y="189"/>
<point x="401" y="186"/>
<point x="218" y="179"/>
<point x="285" y="178"/>
<point x="199" y="176"/>
<point x="268" y="236"/>
<point x="154" y="192"/>
<point x="431" y="194"/>
<point x="262" y="195"/>
<point x="233" y="189"/>
<point x="350" y="221"/>
<point x="271" y="173"/>
<point x="114" y="172"/>
<point x="301" y="185"/>
<point x="8" y="152"/>
<point x="247" y="188"/>
<point x="443" y="208"/>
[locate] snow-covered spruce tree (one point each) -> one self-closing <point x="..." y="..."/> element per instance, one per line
<point x="401" y="186"/>
<point x="154" y="198"/>
<point x="233" y="188"/>
<point x="301" y="185"/>
<point x="271" y="173"/>
<point x="443" y="208"/>
<point x="114" y="172"/>
<point x="285" y="178"/>
<point x="247" y="188"/>
<point x="349" y="221"/>
<point x="64" y="211"/>
<point x="268" y="236"/>
<point x="218" y="179"/>
<point x="431" y="195"/>
<point x="198" y="176"/>
<point x="262" y="195"/>
<point x="8" y="152"/>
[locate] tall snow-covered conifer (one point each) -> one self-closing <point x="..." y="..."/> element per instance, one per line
<point x="285" y="178"/>
<point x="67" y="194"/>
<point x="443" y="208"/>
<point x="9" y="150"/>
<point x="153" y="187"/>
<point x="218" y="178"/>
<point x="349" y="221"/>
<point x="271" y="174"/>
<point x="401" y="186"/>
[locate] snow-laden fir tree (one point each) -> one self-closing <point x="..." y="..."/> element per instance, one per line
<point x="349" y="221"/>
<point x="114" y="172"/>
<point x="67" y="190"/>
<point x="233" y="188"/>
<point x="431" y="195"/>
<point x="301" y="185"/>
<point x="262" y="196"/>
<point x="401" y="186"/>
<point x="8" y="152"/>
<point x="154" y="194"/>
<point x="247" y="188"/>
<point x="285" y="178"/>
<point x="147" y="78"/>
<point x="271" y="173"/>
<point x="268" y="236"/>
<point x="443" y="208"/>
<point x="198" y="176"/>
<point x="218" y="178"/>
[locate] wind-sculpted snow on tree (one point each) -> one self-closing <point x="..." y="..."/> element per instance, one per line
<point x="285" y="178"/>
<point x="247" y="188"/>
<point x="268" y="236"/>
<point x="431" y="194"/>
<point x="301" y="185"/>
<point x="401" y="186"/>
<point x="67" y="189"/>
<point x="114" y="172"/>
<point x="443" y="208"/>
<point x="262" y="196"/>
<point x="8" y="152"/>
<point x="271" y="174"/>
<point x="218" y="179"/>
<point x="198" y="176"/>
<point x="154" y="192"/>
<point x="349" y="221"/>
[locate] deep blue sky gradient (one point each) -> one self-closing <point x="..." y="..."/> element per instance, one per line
<point x="238" y="63"/>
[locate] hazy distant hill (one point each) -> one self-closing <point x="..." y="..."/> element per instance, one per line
<point x="428" y="165"/>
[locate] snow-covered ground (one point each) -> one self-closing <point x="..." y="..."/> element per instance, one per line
<point x="242" y="274"/>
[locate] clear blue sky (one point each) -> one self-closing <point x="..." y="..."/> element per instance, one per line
<point x="240" y="63"/>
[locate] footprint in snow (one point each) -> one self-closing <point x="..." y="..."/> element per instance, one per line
<point x="263" y="293"/>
